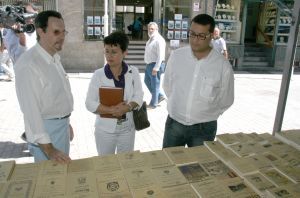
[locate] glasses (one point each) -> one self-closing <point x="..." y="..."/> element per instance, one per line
<point x="112" y="54"/>
<point x="201" y="36"/>
<point x="57" y="32"/>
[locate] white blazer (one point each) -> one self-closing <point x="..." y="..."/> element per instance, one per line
<point x="133" y="92"/>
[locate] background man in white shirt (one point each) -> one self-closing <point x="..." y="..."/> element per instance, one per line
<point x="219" y="43"/>
<point x="199" y="85"/>
<point x="44" y="92"/>
<point x="154" y="58"/>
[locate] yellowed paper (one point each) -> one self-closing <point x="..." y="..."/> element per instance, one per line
<point x="131" y="160"/>
<point x="26" y="171"/>
<point x="155" y="159"/>
<point x="168" y="176"/>
<point x="6" y="169"/>
<point x="81" y="165"/>
<point x="139" y="177"/>
<point x="51" y="186"/>
<point x="107" y="163"/>
<point x="17" y="189"/>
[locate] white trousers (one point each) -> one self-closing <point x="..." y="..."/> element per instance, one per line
<point x="114" y="142"/>
<point x="6" y="64"/>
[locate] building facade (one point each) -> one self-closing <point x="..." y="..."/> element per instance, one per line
<point x="243" y="23"/>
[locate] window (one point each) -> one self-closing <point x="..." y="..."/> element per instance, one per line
<point x="93" y="20"/>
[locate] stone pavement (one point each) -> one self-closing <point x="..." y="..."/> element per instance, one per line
<point x="256" y="97"/>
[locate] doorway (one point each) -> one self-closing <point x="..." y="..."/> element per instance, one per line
<point x="128" y="12"/>
<point x="253" y="10"/>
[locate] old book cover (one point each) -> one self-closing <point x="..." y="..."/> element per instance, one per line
<point x="201" y="154"/>
<point x="112" y="185"/>
<point x="210" y="188"/>
<point x="6" y="168"/>
<point x="149" y="192"/>
<point x="218" y="169"/>
<point x="28" y="171"/>
<point x="81" y="165"/>
<point x="16" y="189"/>
<point x="106" y="163"/>
<point x="258" y="183"/>
<point x="131" y="159"/>
<point x="110" y="96"/>
<point x="51" y="186"/>
<point x="51" y="168"/>
<point x="178" y="155"/>
<point x="287" y="191"/>
<point x="180" y="191"/>
<point x="139" y="177"/>
<point x="168" y="176"/>
<point x="193" y="172"/>
<point x="81" y="185"/>
<point x="156" y="159"/>
<point x="219" y="150"/>
<point x="276" y="177"/>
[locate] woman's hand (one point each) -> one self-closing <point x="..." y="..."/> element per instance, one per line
<point x="120" y="109"/>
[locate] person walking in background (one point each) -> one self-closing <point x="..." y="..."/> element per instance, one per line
<point x="218" y="43"/>
<point x="199" y="85"/>
<point x="137" y="28"/>
<point x="115" y="135"/>
<point x="6" y="63"/>
<point x="44" y="92"/>
<point x="154" y="58"/>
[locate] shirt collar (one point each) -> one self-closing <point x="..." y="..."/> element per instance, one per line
<point x="109" y="74"/>
<point x="55" y="58"/>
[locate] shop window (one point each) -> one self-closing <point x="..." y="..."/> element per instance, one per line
<point x="176" y="21"/>
<point x="93" y="20"/>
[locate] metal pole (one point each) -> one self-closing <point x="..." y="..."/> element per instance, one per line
<point x="287" y="70"/>
<point x="105" y="18"/>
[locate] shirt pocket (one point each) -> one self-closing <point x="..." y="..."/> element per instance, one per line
<point x="209" y="89"/>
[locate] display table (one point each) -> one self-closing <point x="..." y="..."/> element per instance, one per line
<point x="236" y="165"/>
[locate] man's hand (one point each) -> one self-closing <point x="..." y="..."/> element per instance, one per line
<point x="71" y="133"/>
<point x="54" y="154"/>
<point x="154" y="72"/>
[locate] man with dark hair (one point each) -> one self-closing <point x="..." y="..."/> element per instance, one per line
<point x="44" y="92"/>
<point x="199" y="85"/>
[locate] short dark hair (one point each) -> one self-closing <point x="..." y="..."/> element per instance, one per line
<point x="205" y="19"/>
<point x="117" y="38"/>
<point x="41" y="20"/>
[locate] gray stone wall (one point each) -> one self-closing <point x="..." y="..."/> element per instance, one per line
<point x="78" y="54"/>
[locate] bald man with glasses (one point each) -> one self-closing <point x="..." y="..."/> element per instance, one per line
<point x="199" y="85"/>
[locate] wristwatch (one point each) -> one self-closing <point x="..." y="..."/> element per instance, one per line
<point x="130" y="107"/>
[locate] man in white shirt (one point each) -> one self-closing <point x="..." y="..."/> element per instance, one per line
<point x="18" y="42"/>
<point x="155" y="66"/>
<point x="199" y="84"/>
<point x="44" y="92"/>
<point x="218" y="43"/>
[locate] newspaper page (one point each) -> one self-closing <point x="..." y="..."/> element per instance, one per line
<point x="178" y="155"/>
<point x="180" y="191"/>
<point x="139" y="177"/>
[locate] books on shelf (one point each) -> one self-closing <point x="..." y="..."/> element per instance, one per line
<point x="110" y="96"/>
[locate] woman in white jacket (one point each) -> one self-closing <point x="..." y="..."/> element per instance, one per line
<point x="115" y="135"/>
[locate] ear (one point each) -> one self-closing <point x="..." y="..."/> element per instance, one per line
<point x="125" y="53"/>
<point x="40" y="31"/>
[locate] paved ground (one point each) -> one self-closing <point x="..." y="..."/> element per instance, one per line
<point x="256" y="97"/>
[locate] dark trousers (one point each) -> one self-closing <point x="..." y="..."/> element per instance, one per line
<point x="177" y="134"/>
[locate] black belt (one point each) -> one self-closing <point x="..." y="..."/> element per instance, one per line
<point x="61" y="117"/>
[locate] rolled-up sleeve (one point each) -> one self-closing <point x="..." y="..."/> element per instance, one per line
<point x="28" y="93"/>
